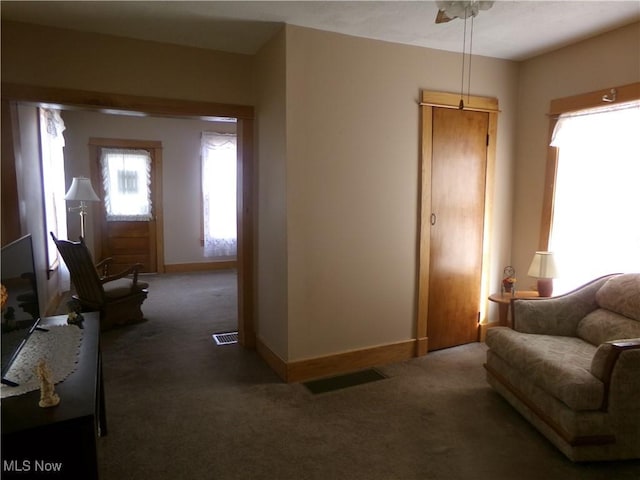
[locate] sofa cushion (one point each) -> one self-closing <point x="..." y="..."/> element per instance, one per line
<point x="561" y="366"/>
<point x="621" y="294"/>
<point x="603" y="325"/>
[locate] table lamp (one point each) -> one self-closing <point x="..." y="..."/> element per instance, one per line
<point x="543" y="267"/>
<point x="82" y="191"/>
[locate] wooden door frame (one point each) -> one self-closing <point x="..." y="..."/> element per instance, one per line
<point x="429" y="101"/>
<point x="98" y="101"/>
<point x="95" y="144"/>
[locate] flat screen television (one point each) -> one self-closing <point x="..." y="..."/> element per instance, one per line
<point x="20" y="306"/>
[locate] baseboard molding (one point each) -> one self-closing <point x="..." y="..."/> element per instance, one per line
<point x="303" y="370"/>
<point x="199" y="267"/>
<point x="422" y="346"/>
<point x="274" y="361"/>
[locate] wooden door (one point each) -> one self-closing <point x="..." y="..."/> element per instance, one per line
<point x="458" y="176"/>
<point x="129" y="238"/>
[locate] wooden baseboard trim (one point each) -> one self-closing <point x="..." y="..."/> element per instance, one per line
<point x="350" y="361"/>
<point x="274" y="361"/>
<point x="303" y="370"/>
<point x="422" y="346"/>
<point x="199" y="267"/>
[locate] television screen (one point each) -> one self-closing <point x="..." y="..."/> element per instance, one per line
<point x="20" y="307"/>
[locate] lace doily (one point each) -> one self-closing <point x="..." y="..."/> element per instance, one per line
<point x="59" y="347"/>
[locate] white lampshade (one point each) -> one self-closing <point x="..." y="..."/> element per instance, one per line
<point x="81" y="190"/>
<point x="543" y="266"/>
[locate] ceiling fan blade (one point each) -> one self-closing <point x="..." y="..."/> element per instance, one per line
<point x="442" y="17"/>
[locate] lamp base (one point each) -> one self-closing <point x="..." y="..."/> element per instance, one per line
<point x="545" y="287"/>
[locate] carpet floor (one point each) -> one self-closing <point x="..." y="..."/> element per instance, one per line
<point x="181" y="407"/>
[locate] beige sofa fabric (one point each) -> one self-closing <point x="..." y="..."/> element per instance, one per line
<point x="620" y="294"/>
<point x="556" y="315"/>
<point x="558" y="365"/>
<point x="571" y="366"/>
<point x="603" y="325"/>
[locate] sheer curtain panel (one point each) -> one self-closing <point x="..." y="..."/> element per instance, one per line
<point x="596" y="228"/>
<point x="53" y="182"/>
<point x="219" y="194"/>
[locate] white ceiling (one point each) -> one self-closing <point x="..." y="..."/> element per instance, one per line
<point x="514" y="30"/>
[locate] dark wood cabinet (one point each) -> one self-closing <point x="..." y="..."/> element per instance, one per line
<point x="58" y="442"/>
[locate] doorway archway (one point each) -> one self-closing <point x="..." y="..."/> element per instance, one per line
<point x="103" y="101"/>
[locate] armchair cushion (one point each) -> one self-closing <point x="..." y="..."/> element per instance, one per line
<point x="122" y="287"/>
<point x="558" y="365"/>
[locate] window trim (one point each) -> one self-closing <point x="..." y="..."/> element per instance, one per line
<point x="558" y="106"/>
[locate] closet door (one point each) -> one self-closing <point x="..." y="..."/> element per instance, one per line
<point x="458" y="176"/>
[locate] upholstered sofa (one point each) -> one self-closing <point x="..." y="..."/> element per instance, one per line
<point x="571" y="367"/>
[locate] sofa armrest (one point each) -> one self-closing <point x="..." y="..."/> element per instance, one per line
<point x="607" y="358"/>
<point x="556" y="315"/>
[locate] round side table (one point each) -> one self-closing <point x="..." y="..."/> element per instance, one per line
<point x="504" y="302"/>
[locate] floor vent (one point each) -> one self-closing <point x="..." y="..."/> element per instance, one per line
<point x="225" y="338"/>
<point x="344" y="381"/>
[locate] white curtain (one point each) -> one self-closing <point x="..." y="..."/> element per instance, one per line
<point x="596" y="213"/>
<point x="52" y="151"/>
<point x="219" y="167"/>
<point x="126" y="176"/>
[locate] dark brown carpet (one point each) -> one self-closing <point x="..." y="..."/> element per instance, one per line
<point x="180" y="407"/>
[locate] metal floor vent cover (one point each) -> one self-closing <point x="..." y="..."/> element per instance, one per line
<point x="225" y="338"/>
<point x="347" y="380"/>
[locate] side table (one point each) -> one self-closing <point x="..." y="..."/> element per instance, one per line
<point x="504" y="302"/>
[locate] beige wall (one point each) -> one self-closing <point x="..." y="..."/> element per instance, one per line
<point x="353" y="138"/>
<point x="602" y="62"/>
<point x="272" y="327"/>
<point x="181" y="187"/>
<point x="338" y="162"/>
<point x="53" y="57"/>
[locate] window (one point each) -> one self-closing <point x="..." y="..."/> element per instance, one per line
<point x="126" y="176"/>
<point x="219" y="194"/>
<point x="52" y="157"/>
<point x="594" y="227"/>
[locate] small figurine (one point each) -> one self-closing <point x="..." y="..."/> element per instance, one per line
<point x="48" y="397"/>
<point x="75" y="316"/>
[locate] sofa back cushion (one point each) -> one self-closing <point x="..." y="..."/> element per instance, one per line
<point x="621" y="294"/>
<point x="603" y="325"/>
<point x="618" y="315"/>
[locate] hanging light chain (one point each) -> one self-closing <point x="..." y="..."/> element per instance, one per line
<point x="464" y="46"/>
<point x="468" y="12"/>
<point x="470" y="56"/>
